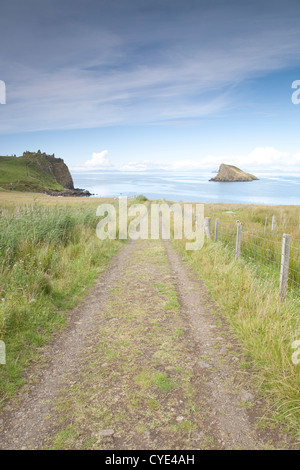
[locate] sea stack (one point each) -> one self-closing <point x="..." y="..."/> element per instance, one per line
<point x="231" y="174"/>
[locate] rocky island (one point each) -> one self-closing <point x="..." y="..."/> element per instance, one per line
<point x="230" y="174"/>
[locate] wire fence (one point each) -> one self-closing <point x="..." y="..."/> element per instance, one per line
<point x="294" y="268"/>
<point x="271" y="254"/>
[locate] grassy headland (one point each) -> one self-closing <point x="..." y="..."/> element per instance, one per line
<point x="37" y="172"/>
<point x="24" y="174"/>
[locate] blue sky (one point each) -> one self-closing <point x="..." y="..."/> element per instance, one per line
<point x="148" y="84"/>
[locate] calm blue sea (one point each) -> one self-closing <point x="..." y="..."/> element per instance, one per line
<point x="270" y="189"/>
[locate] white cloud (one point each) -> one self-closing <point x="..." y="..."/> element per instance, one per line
<point x="260" y="158"/>
<point x="98" y="161"/>
<point x="265" y="156"/>
<point x="151" y="72"/>
<point x="134" y="166"/>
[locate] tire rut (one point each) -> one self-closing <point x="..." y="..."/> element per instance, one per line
<point x="23" y="422"/>
<point x="235" y="410"/>
<point x="136" y="370"/>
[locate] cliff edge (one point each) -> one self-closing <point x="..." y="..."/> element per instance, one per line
<point x="54" y="167"/>
<point x="37" y="172"/>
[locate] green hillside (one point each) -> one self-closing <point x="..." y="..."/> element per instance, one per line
<point x="27" y="173"/>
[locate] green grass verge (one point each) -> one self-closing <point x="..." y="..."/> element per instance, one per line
<point x="265" y="326"/>
<point x="49" y="257"/>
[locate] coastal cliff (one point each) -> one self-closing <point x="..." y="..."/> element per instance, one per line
<point x="52" y="166"/>
<point x="37" y="172"/>
<point x="230" y="174"/>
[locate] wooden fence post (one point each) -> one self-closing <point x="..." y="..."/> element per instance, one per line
<point x="266" y="223"/>
<point x="207" y="227"/>
<point x="273" y="222"/>
<point x="216" y="230"/>
<point x="284" y="268"/>
<point x="238" y="240"/>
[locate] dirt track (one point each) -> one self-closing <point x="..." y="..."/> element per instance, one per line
<point x="146" y="362"/>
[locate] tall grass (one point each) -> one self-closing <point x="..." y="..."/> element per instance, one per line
<point x="34" y="226"/>
<point x="49" y="256"/>
<point x="265" y="326"/>
<point x="262" y="249"/>
<point x="254" y="216"/>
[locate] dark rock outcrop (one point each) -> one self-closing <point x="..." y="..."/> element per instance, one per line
<point x="54" y="167"/>
<point x="230" y="174"/>
<point x="77" y="192"/>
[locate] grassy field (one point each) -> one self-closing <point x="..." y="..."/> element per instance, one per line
<point x="248" y="295"/>
<point x="261" y="244"/>
<point x="49" y="257"/>
<point x="254" y="216"/>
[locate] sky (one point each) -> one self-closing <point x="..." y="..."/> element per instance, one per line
<point x="137" y="85"/>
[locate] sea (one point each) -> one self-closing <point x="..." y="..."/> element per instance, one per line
<point x="270" y="189"/>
